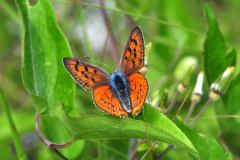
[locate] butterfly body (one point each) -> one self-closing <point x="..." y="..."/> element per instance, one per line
<point x="122" y="92"/>
<point x="120" y="87"/>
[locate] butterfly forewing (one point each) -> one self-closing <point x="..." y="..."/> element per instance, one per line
<point x="138" y="91"/>
<point x="133" y="56"/>
<point x="91" y="77"/>
<point x="86" y="75"/>
<point x="107" y="102"/>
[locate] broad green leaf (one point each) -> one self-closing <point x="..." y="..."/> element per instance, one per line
<point x="208" y="148"/>
<point x="44" y="46"/>
<point x="156" y="127"/>
<point x="215" y="58"/>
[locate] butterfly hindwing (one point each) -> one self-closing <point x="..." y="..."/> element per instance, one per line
<point x="93" y="78"/>
<point x="133" y="56"/>
<point x="106" y="101"/>
<point x="86" y="75"/>
<point x="138" y="91"/>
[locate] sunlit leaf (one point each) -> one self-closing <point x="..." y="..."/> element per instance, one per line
<point x="215" y="58"/>
<point x="208" y="148"/>
<point x="156" y="127"/>
<point x="44" y="46"/>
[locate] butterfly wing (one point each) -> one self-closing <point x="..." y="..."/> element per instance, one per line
<point x="107" y="102"/>
<point x="91" y="77"/>
<point x="138" y="91"/>
<point x="133" y="56"/>
<point x="86" y="75"/>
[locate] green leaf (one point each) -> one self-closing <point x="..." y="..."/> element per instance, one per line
<point x="44" y="47"/>
<point x="113" y="149"/>
<point x="74" y="150"/>
<point x="231" y="57"/>
<point x="208" y="148"/>
<point x="231" y="107"/>
<point x="215" y="58"/>
<point x="156" y="126"/>
<point x="231" y="97"/>
<point x="20" y="150"/>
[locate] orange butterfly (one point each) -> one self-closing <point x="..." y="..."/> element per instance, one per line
<point x="122" y="92"/>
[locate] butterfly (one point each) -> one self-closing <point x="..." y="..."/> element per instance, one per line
<point x="125" y="90"/>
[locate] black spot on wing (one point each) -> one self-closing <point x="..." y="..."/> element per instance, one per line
<point x="134" y="53"/>
<point x="86" y="68"/>
<point x="76" y="65"/>
<point x="134" y="41"/>
<point x="129" y="50"/>
<point x="133" y="62"/>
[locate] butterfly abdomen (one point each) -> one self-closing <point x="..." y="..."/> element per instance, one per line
<point x="120" y="88"/>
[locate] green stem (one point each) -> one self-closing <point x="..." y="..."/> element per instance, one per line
<point x="201" y="111"/>
<point x="157" y="20"/>
<point x="15" y="135"/>
<point x="10" y="11"/>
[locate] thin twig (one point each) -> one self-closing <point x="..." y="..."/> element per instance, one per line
<point x="219" y="117"/>
<point x="201" y="111"/>
<point x="134" y="154"/>
<point x="133" y="149"/>
<point x="173" y="102"/>
<point x="146" y="17"/>
<point x="148" y="151"/>
<point x="59" y="154"/>
<point x="104" y="48"/>
<point x="113" y="42"/>
<point x="182" y="104"/>
<point x="164" y="152"/>
<point x="48" y="143"/>
<point x="147" y="140"/>
<point x="190" y="111"/>
<point x="225" y="146"/>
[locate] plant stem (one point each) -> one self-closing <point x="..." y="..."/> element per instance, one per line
<point x="173" y="102"/>
<point x="112" y="39"/>
<point x="181" y="106"/>
<point x="169" y="147"/>
<point x="148" y="151"/>
<point x="59" y="154"/>
<point x="48" y="143"/>
<point x="201" y="111"/>
<point x="145" y="17"/>
<point x="15" y="135"/>
<point x="190" y="111"/>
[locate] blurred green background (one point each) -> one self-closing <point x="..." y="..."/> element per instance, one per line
<point x="177" y="30"/>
